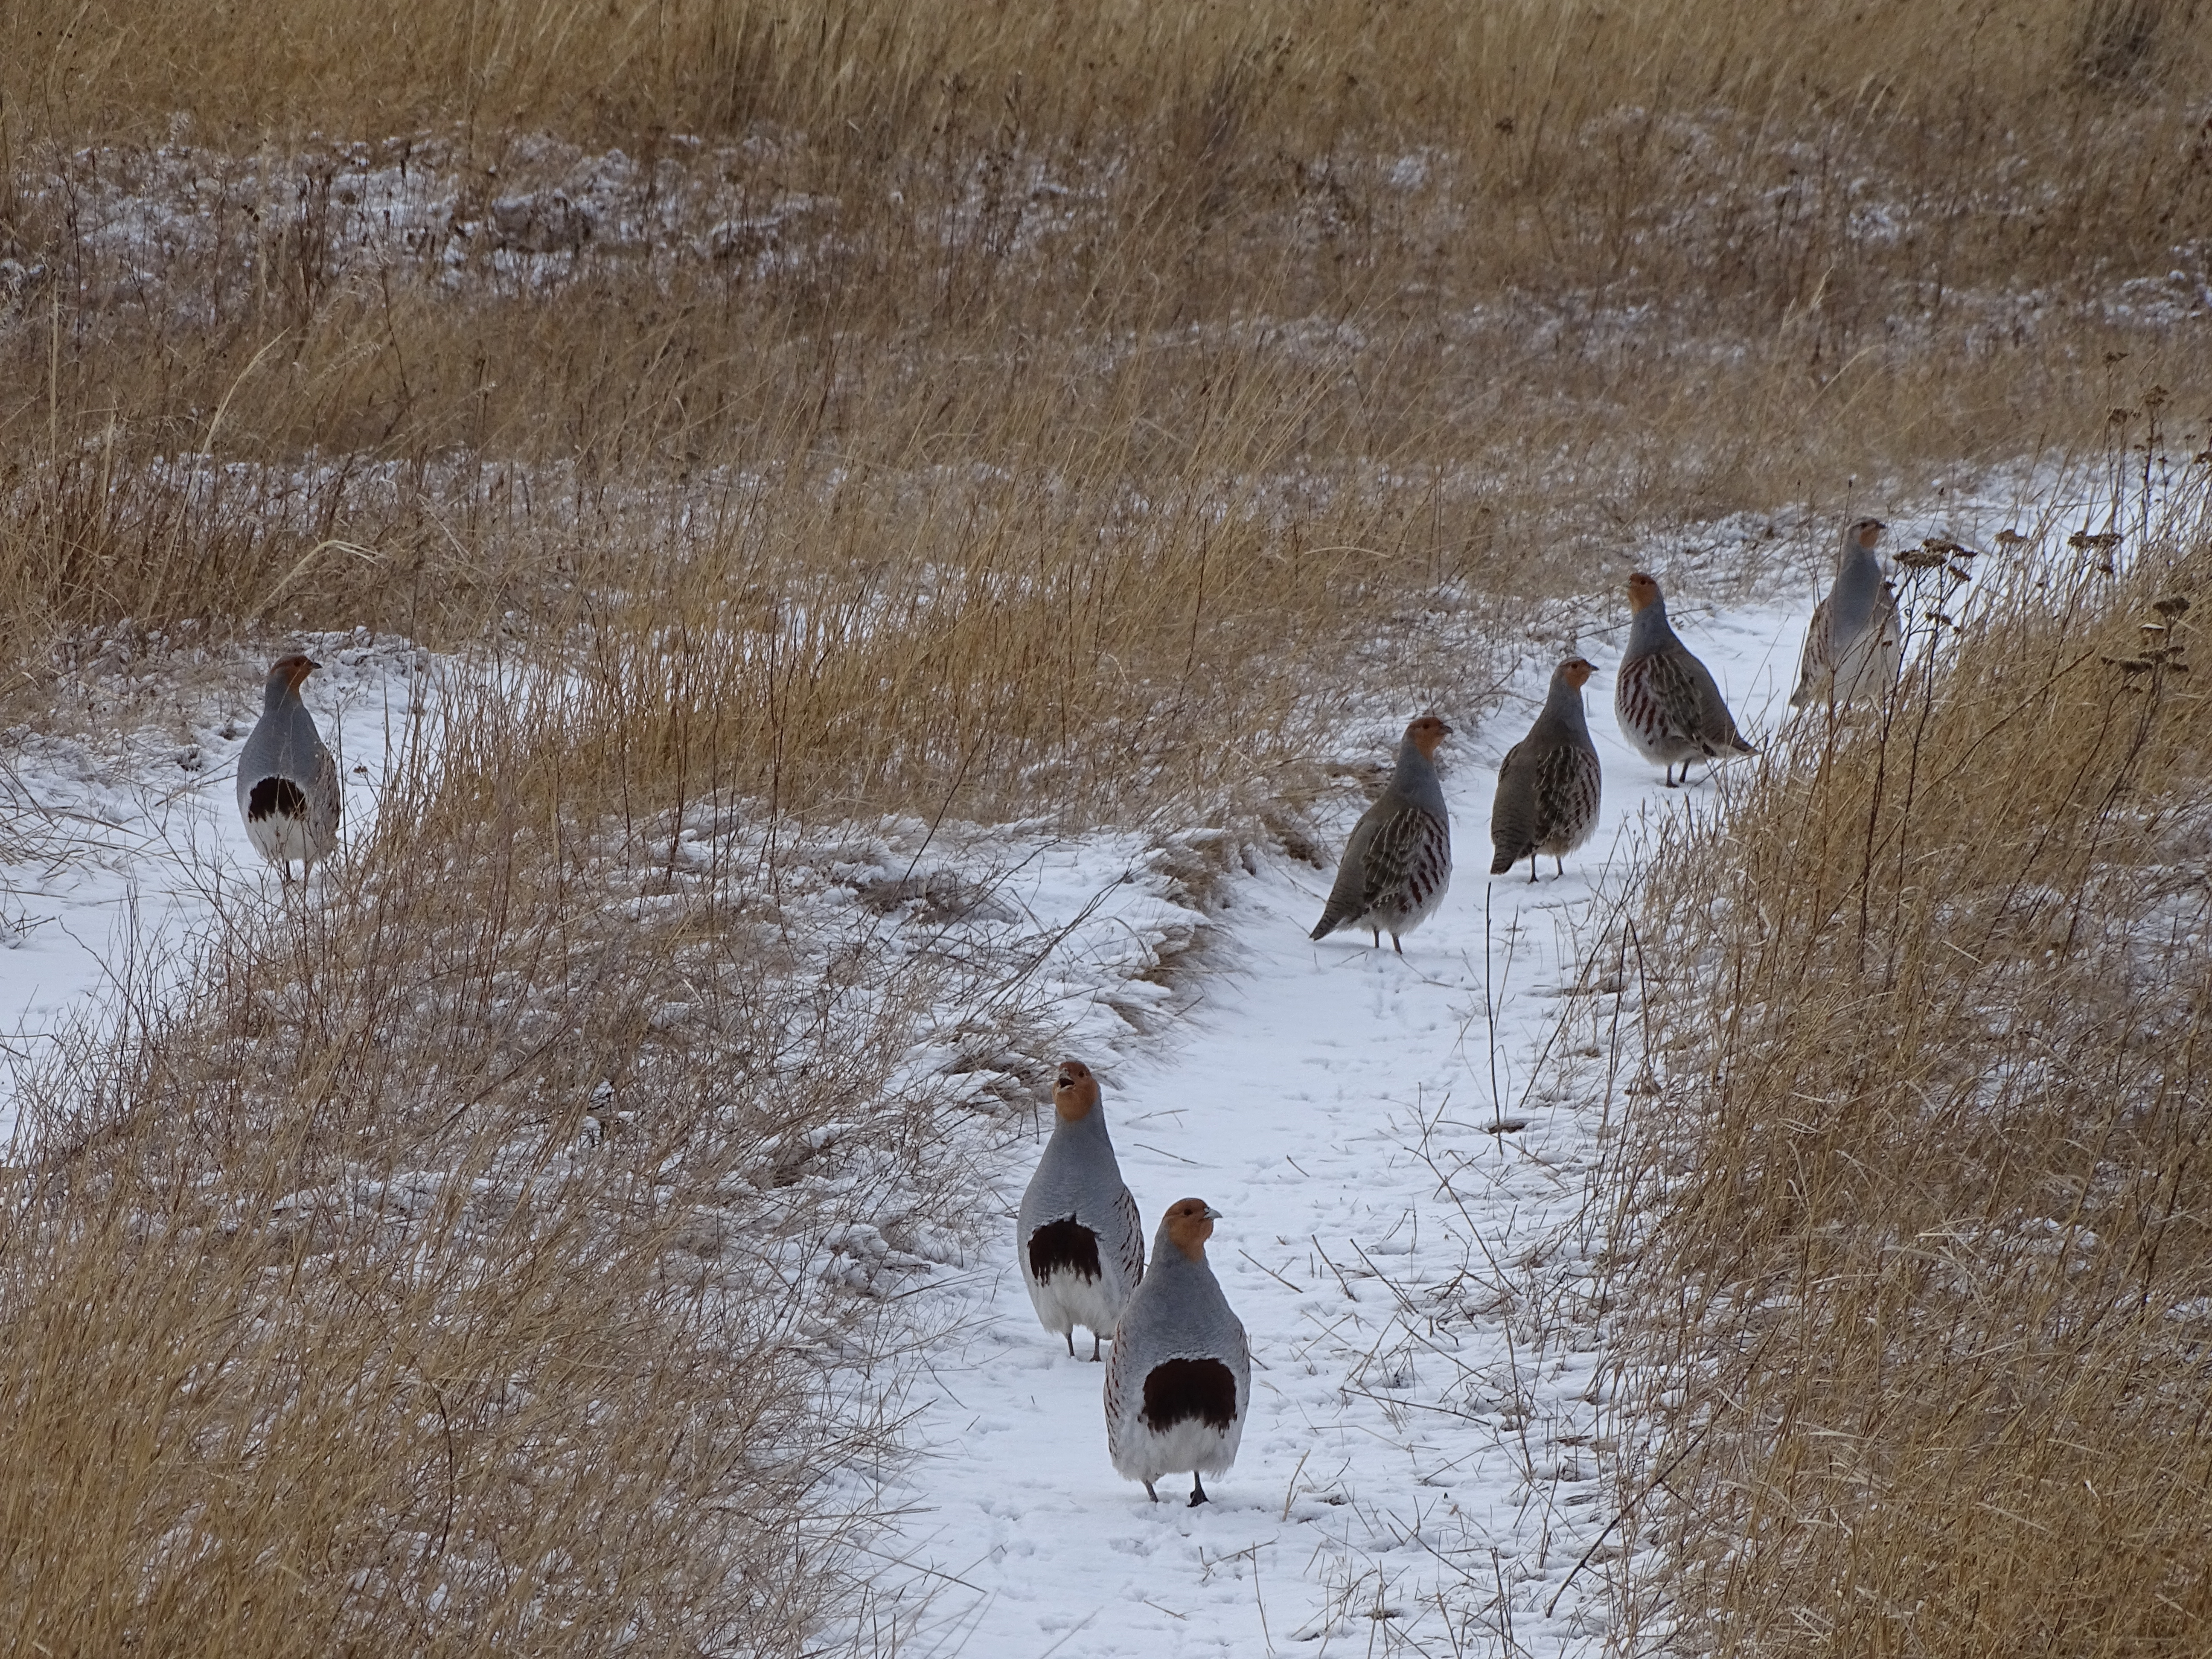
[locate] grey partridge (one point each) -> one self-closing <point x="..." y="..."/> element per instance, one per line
<point x="288" y="783"/>
<point x="1079" y="1238"/>
<point x="1853" y="644"/>
<point x="1179" y="1381"/>
<point x="1549" y="783"/>
<point x="1397" y="862"/>
<point x="1668" y="707"/>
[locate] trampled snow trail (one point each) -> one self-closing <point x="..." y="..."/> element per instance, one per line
<point x="1420" y="1467"/>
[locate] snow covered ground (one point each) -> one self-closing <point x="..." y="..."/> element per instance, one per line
<point x="1408" y="1155"/>
<point x="135" y="844"/>
<point x="1407" y="1151"/>
<point x="1403" y="1149"/>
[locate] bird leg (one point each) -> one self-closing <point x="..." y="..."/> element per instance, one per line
<point x="1671" y="784"/>
<point x="1376" y="934"/>
<point x="1094" y="1348"/>
<point x="1070" y="1335"/>
<point x="1149" y="1493"/>
<point x="1395" y="945"/>
<point x="1197" y="1490"/>
<point x="1531" y="867"/>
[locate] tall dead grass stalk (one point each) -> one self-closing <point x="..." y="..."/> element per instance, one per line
<point x="1918" y="1259"/>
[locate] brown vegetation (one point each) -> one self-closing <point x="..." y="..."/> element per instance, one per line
<point x="1917" y="1255"/>
<point x="992" y="411"/>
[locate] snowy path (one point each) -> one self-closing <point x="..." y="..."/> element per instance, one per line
<point x="1420" y="1469"/>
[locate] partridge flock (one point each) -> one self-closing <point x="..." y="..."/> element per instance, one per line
<point x="1178" y="1383"/>
<point x="1180" y="1376"/>
<point x="1397" y="862"/>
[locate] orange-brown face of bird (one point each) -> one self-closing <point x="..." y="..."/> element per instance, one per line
<point x="294" y="668"/>
<point x="1074" y="1092"/>
<point x="1642" y="592"/>
<point x="1427" y="733"/>
<point x="1576" y="672"/>
<point x="1190" y="1224"/>
<point x="1867" y="532"/>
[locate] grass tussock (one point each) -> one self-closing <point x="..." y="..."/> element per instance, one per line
<point x="1919" y="1253"/>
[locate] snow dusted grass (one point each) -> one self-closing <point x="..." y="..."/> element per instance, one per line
<point x="1913" y="1261"/>
<point x="489" y="1249"/>
<point x="877" y="477"/>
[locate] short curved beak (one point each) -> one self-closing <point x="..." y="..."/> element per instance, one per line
<point x="1213" y="1214"/>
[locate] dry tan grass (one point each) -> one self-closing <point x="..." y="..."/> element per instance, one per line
<point x="449" y="1267"/>
<point x="1919" y="1237"/>
<point x="1202" y="258"/>
<point x="1289" y="71"/>
<point x="999" y="411"/>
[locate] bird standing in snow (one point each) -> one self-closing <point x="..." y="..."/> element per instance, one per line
<point x="1669" y="707"/>
<point x="1852" y="644"/>
<point x="1079" y="1236"/>
<point x="287" y="783"/>
<point x="1397" y="863"/>
<point x="1548" y="783"/>
<point x="1180" y="1379"/>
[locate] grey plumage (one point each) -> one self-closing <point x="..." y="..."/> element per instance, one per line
<point x="288" y="781"/>
<point x="1179" y="1381"/>
<point x="1853" y="644"/>
<point x="1668" y="706"/>
<point x="1549" y="783"/>
<point x="1079" y="1239"/>
<point x="1397" y="861"/>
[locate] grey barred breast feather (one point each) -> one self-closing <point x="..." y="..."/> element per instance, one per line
<point x="1397" y="861"/>
<point x="1669" y="707"/>
<point x="1549" y="784"/>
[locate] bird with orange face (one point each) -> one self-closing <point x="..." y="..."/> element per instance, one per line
<point x="1077" y="1237"/>
<point x="1548" y="784"/>
<point x="288" y="783"/>
<point x="1854" y="643"/>
<point x="1668" y="707"/>
<point x="1397" y="862"/>
<point x="1179" y="1383"/>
